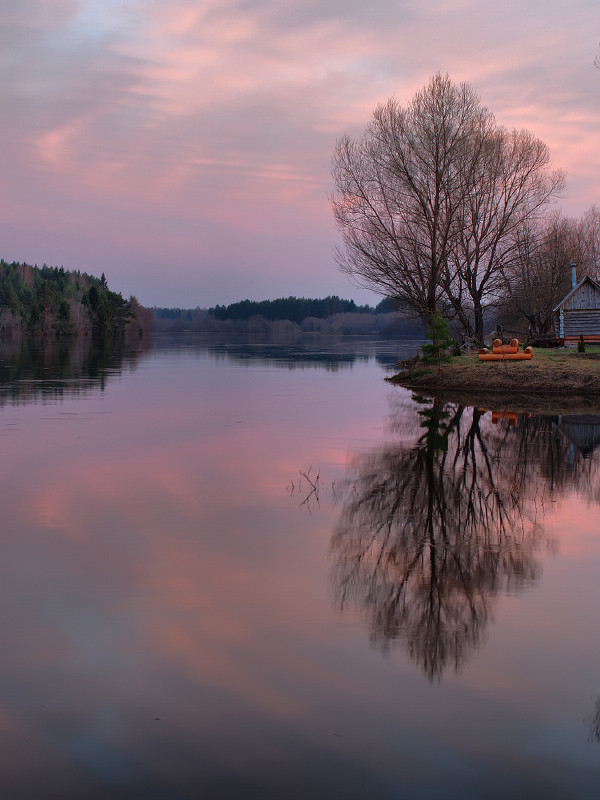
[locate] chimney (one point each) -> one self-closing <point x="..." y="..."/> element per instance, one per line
<point x="573" y="276"/>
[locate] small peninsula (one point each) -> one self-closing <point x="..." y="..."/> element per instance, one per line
<point x="554" y="377"/>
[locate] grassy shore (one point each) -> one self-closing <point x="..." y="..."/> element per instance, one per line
<point x="562" y="380"/>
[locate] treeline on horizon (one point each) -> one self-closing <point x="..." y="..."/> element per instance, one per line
<point x="295" y="309"/>
<point x="52" y="301"/>
<point x="293" y="314"/>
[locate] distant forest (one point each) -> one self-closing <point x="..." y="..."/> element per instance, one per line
<point x="293" y="315"/>
<point x="295" y="309"/>
<point x="52" y="301"/>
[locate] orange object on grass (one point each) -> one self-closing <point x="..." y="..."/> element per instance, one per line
<point x="525" y="355"/>
<point x="511" y="347"/>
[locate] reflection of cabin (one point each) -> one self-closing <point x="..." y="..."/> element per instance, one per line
<point x="579" y="312"/>
<point x="582" y="431"/>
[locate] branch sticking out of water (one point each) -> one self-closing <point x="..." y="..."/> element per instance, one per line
<point x="314" y="490"/>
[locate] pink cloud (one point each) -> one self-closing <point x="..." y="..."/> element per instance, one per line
<point x="223" y="117"/>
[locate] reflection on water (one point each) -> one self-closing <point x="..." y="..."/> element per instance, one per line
<point x="165" y="596"/>
<point x="433" y="530"/>
<point x="55" y="368"/>
<point x="299" y="351"/>
<point x="594" y="722"/>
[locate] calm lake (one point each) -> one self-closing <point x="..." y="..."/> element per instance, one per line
<point x="257" y="570"/>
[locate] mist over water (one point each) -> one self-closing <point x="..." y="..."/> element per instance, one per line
<point x="255" y="569"/>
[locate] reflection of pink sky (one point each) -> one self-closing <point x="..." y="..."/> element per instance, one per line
<point x="540" y="660"/>
<point x="156" y="501"/>
<point x="186" y="150"/>
<point x="155" y="566"/>
<point x="577" y="526"/>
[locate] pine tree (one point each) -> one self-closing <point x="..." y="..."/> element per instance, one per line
<point x="438" y="351"/>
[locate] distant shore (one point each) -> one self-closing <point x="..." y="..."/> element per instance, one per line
<point x="561" y="381"/>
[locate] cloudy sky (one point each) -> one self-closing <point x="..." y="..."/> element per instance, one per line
<point x="183" y="147"/>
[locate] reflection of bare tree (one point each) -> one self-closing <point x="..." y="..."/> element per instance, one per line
<point x="594" y="723"/>
<point x="433" y="530"/>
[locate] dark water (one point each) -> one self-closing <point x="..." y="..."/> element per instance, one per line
<point x="257" y="570"/>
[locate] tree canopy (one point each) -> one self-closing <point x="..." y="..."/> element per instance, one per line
<point x="54" y="301"/>
<point x="430" y="200"/>
<point x="295" y="309"/>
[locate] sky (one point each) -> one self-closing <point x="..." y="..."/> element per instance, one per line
<point x="183" y="147"/>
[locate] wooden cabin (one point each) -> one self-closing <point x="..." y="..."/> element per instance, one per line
<point x="579" y="313"/>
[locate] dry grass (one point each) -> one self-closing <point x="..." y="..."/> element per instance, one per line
<point x="562" y="377"/>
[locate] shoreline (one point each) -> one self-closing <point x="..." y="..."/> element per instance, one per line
<point x="553" y="381"/>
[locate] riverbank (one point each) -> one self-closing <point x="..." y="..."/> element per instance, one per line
<point x="563" y="380"/>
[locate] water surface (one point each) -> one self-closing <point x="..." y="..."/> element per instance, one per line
<point x="256" y="569"/>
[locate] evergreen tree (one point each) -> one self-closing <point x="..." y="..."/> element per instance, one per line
<point x="439" y="350"/>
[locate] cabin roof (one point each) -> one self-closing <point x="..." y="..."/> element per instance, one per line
<point x="594" y="283"/>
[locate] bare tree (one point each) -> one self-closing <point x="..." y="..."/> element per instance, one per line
<point x="538" y="276"/>
<point x="588" y="230"/>
<point x="428" y="200"/>
<point x="509" y="189"/>
<point x="400" y="189"/>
